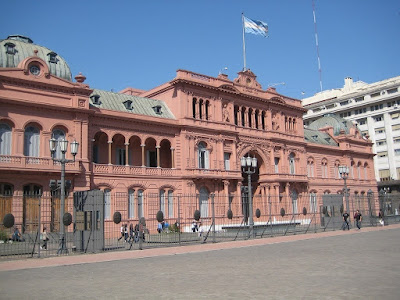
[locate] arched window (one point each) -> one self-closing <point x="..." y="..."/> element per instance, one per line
<point x="207" y="104"/>
<point x="162" y="201"/>
<point x="107" y="204"/>
<point x="291" y="163"/>
<point x="5" y="139"/>
<point x="256" y="115"/>
<point x="140" y="203"/>
<point x="236" y="114"/>
<point x="131" y="203"/>
<point x="313" y="202"/>
<point x="201" y="109"/>
<point x="203" y="202"/>
<point x="366" y="171"/>
<point x="58" y="135"/>
<point x="263" y="120"/>
<point x="31" y="141"/>
<point x="324" y="168"/>
<point x="170" y="203"/>
<point x="310" y="167"/>
<point x="294" y="197"/>
<point x="249" y="119"/>
<point x="194" y="107"/>
<point x="203" y="156"/>
<point x="336" y="170"/>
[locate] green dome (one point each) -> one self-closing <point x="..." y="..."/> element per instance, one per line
<point x="16" y="48"/>
<point x="334" y="121"/>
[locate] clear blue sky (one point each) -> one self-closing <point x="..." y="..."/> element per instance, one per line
<point x="141" y="44"/>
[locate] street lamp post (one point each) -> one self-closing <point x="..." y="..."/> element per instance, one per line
<point x="63" y="144"/>
<point x="344" y="174"/>
<point x="249" y="166"/>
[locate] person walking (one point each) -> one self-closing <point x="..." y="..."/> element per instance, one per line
<point x="346" y="217"/>
<point x="122" y="232"/>
<point x="381" y="217"/>
<point x="45" y="238"/>
<point x="358" y="218"/>
<point x="126" y="233"/>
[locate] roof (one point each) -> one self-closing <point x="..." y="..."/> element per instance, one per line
<point x="318" y="137"/>
<point x="130" y="104"/>
<point x="23" y="47"/>
<point x="332" y="120"/>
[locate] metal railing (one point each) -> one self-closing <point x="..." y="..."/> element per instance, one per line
<point x="222" y="218"/>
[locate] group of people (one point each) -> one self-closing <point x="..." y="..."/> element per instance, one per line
<point x="131" y="234"/>
<point x="346" y="220"/>
<point x="162" y="226"/>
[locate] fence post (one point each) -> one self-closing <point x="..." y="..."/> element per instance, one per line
<point x="39" y="223"/>
<point x="213" y="215"/>
<point x="179" y="220"/>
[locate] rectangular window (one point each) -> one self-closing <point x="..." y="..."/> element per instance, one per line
<point x="276" y="161"/>
<point x="362" y="121"/>
<point x="382" y="154"/>
<point x="396" y="127"/>
<point x="227" y="157"/>
<point x="396" y="140"/>
<point x="381" y="142"/>
<point x="378" y="118"/>
<point x="392" y="91"/>
<point x="380" y="130"/>
<point x="359" y="99"/>
<point x="395" y="116"/>
<point x="344" y="102"/>
<point x="374" y="95"/>
<point x="397" y="152"/>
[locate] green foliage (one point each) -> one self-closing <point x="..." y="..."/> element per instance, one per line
<point x="3" y="236"/>
<point x="174" y="228"/>
<point x="160" y="216"/>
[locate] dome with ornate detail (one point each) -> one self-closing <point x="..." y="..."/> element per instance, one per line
<point x="332" y="120"/>
<point x="16" y="48"/>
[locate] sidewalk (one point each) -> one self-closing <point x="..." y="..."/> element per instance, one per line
<point x="136" y="254"/>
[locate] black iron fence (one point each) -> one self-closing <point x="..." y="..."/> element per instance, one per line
<point x="122" y="221"/>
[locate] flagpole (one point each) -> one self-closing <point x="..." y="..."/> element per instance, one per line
<point x="244" y="46"/>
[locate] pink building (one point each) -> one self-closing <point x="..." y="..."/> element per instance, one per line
<point x="185" y="137"/>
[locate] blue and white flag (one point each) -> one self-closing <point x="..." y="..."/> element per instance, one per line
<point x="255" y="27"/>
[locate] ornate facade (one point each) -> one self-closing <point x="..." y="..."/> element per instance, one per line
<point x="185" y="137"/>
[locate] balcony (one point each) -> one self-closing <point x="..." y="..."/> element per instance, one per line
<point x="133" y="170"/>
<point x="212" y="174"/>
<point x="35" y="164"/>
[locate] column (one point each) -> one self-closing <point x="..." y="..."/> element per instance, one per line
<point x="109" y="152"/>
<point x="158" y="156"/>
<point x="126" y="154"/>
<point x="143" y="157"/>
<point x="173" y="157"/>
<point x="239" y="116"/>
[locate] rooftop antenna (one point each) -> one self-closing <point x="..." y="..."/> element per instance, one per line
<point x="316" y="43"/>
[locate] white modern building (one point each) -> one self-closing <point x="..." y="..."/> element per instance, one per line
<point x="375" y="108"/>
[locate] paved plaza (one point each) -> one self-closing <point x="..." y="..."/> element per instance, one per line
<point x="355" y="264"/>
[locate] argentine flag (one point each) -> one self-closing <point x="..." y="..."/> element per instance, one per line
<point x="255" y="27"/>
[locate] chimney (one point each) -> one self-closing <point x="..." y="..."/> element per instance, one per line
<point x="348" y="83"/>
